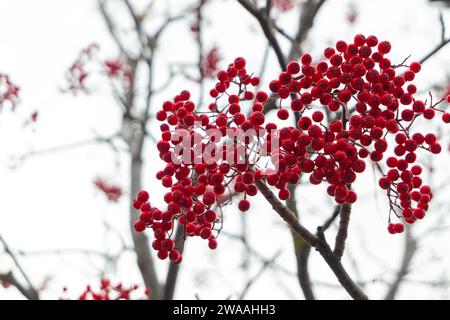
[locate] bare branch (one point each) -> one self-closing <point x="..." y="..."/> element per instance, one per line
<point x="111" y="28"/>
<point x="30" y="293"/>
<point x="341" y="236"/>
<point x="317" y="242"/>
<point x="435" y="50"/>
<point x="309" y="12"/>
<point x="267" y="27"/>
<point x="302" y="251"/>
<point x="172" y="273"/>
<point x="257" y="275"/>
<point x="66" y="147"/>
<point x="441" y="45"/>
<point x="441" y="20"/>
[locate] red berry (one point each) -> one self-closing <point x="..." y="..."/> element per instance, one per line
<point x="446" y="117"/>
<point x="143" y="196"/>
<point x="283" y="114"/>
<point x="293" y="67"/>
<point x="284" y="194"/>
<point x="398" y="228"/>
<point x="244" y="205"/>
<point x="391" y="228"/>
<point x="239" y="63"/>
<point x="139" y="226"/>
<point x="415" y="67"/>
<point x="384" y="47"/>
<point x="212" y="243"/>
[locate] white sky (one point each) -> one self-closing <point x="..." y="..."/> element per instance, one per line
<point x="48" y="202"/>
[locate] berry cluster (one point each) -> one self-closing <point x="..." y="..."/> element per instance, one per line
<point x="118" y="69"/>
<point x="349" y="107"/>
<point x="9" y="92"/>
<point x="112" y="192"/>
<point x="197" y="187"/>
<point x="211" y="63"/>
<point x="89" y="64"/>
<point x="77" y="74"/>
<point x="107" y="291"/>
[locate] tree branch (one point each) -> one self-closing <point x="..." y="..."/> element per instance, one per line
<point x="341" y="236"/>
<point x="302" y="251"/>
<point x="318" y="242"/>
<point x="267" y="27"/>
<point x="309" y="12"/>
<point x="258" y="274"/>
<point x="30" y="293"/>
<point x="172" y="273"/>
<point x="331" y="219"/>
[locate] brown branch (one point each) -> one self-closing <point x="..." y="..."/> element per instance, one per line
<point x="338" y="269"/>
<point x="267" y="27"/>
<point x="143" y="38"/>
<point x="286" y="214"/>
<point x="318" y="242"/>
<point x="341" y="236"/>
<point x="308" y="13"/>
<point x="111" y="28"/>
<point x="435" y="50"/>
<point x="28" y="293"/>
<point x="172" y="273"/>
<point x="144" y="258"/>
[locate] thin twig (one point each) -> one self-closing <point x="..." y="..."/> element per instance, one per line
<point x="341" y="236"/>
<point x="31" y="293"/>
<point x="257" y="275"/>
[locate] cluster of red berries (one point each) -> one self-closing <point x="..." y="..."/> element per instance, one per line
<point x="349" y="107"/>
<point x="88" y="64"/>
<point x="77" y="74"/>
<point x="112" y="192"/>
<point x="9" y="92"/>
<point x="118" y="69"/>
<point x="374" y="105"/>
<point x="197" y="187"/>
<point x="107" y="291"/>
<point x="211" y="63"/>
